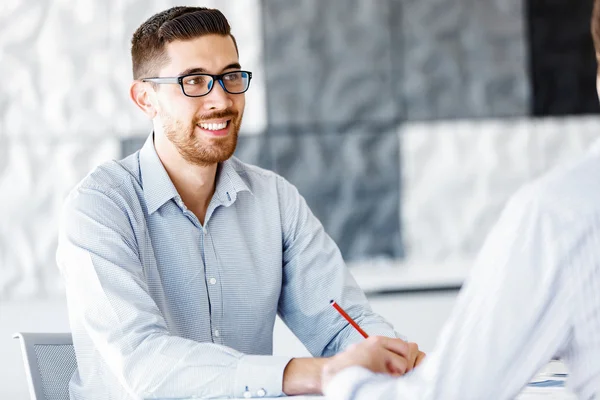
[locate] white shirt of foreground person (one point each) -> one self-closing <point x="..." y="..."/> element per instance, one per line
<point x="534" y="294"/>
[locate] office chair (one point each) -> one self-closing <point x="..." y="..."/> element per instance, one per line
<point x="49" y="364"/>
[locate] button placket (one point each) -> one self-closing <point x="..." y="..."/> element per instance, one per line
<point x="214" y="289"/>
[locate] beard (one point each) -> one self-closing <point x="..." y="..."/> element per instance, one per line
<point x="200" y="150"/>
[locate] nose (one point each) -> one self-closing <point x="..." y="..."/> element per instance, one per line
<point x="217" y="98"/>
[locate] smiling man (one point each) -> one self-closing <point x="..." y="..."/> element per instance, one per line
<point x="178" y="258"/>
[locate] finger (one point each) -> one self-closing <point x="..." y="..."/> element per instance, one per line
<point x="413" y="352"/>
<point x="397" y="346"/>
<point x="395" y="364"/>
<point x="420" y="358"/>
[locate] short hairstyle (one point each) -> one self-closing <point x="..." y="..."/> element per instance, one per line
<point x="177" y="23"/>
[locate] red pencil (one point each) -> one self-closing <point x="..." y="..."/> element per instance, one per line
<point x="350" y="320"/>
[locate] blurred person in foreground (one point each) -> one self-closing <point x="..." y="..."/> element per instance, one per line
<point x="534" y="294"/>
<point x="178" y="258"/>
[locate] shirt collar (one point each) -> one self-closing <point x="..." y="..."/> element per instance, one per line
<point x="159" y="189"/>
<point x="229" y="183"/>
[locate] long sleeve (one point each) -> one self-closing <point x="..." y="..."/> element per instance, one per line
<point x="313" y="274"/>
<point x="109" y="302"/>
<point x="513" y="315"/>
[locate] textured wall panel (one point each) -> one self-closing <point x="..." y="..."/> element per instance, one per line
<point x="558" y="141"/>
<point x="56" y="57"/>
<point x="70" y="69"/>
<point x="131" y="144"/>
<point x="255" y="150"/>
<point x="34" y="181"/>
<point x="350" y="179"/>
<point x="461" y="58"/>
<point x="328" y="61"/>
<point x="457" y="176"/>
<point x="563" y="65"/>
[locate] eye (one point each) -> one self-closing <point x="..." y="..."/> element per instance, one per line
<point x="234" y="76"/>
<point x="195" y="80"/>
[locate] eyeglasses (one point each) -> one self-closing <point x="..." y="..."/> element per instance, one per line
<point x="198" y="85"/>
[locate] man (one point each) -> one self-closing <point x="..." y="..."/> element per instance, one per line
<point x="178" y="258"/>
<point x="534" y="294"/>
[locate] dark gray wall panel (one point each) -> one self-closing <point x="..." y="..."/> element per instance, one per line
<point x="328" y="61"/>
<point x="131" y="144"/>
<point x="255" y="150"/>
<point x="563" y="62"/>
<point x="350" y="179"/>
<point x="461" y="58"/>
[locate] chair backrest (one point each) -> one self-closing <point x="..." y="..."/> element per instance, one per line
<point x="49" y="364"/>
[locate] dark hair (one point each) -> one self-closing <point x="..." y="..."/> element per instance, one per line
<point x="177" y="23"/>
<point x="596" y="26"/>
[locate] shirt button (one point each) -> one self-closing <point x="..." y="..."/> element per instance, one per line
<point x="261" y="393"/>
<point x="247" y="394"/>
<point x="205" y="230"/>
<point x="212" y="281"/>
<point x="217" y="334"/>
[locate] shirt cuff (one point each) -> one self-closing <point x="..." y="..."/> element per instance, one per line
<point x="344" y="385"/>
<point x="383" y="330"/>
<point x="260" y="376"/>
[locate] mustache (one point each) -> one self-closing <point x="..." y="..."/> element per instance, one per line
<point x="217" y="115"/>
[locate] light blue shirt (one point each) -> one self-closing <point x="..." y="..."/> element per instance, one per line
<point x="162" y="306"/>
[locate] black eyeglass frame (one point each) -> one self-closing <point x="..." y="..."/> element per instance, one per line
<point x="215" y="78"/>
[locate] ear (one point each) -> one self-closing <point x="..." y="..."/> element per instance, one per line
<point x="144" y="97"/>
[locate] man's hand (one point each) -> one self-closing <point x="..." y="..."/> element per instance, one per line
<point x="303" y="376"/>
<point x="378" y="354"/>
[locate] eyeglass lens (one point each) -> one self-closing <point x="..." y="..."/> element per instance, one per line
<point x="200" y="84"/>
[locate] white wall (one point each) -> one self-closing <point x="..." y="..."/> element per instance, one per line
<point x="458" y="175"/>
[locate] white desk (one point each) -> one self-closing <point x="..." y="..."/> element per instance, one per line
<point x="528" y="394"/>
<point x="292" y="398"/>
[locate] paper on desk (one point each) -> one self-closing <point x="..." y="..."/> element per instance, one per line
<point x="546" y="394"/>
<point x="548" y="384"/>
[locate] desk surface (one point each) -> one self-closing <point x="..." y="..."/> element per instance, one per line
<point x="527" y="394"/>
<point x="555" y="371"/>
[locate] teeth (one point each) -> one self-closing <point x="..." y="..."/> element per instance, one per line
<point x="214" y="127"/>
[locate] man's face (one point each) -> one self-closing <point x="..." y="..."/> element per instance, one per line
<point x="203" y="129"/>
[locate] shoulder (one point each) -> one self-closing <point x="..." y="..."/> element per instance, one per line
<point x="115" y="181"/>
<point x="569" y="192"/>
